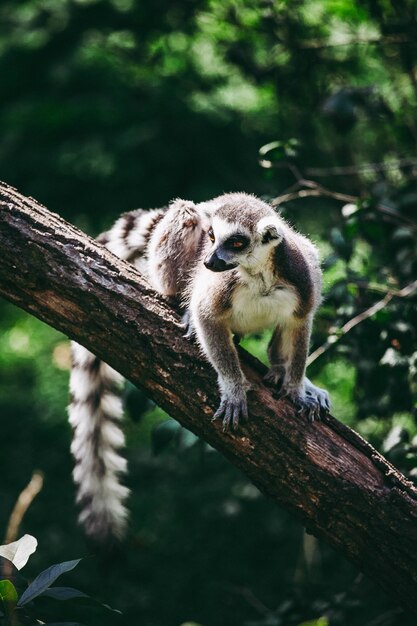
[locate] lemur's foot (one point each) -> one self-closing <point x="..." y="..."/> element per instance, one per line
<point x="232" y="409"/>
<point x="312" y="402"/>
<point x="319" y="395"/>
<point x="304" y="404"/>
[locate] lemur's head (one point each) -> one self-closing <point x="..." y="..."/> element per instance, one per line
<point x="243" y="232"/>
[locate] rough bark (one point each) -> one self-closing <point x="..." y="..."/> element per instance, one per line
<point x="335" y="482"/>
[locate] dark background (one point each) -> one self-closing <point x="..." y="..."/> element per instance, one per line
<point x="108" y="105"/>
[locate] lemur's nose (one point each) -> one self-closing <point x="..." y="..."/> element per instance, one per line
<point x="215" y="264"/>
<point x="210" y="262"/>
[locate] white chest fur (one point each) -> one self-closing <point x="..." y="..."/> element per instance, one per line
<point x="257" y="305"/>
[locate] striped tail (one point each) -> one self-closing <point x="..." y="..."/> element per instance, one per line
<point x="95" y="408"/>
<point x="95" y="411"/>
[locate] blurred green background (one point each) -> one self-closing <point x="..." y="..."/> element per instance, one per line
<point x="108" y="105"/>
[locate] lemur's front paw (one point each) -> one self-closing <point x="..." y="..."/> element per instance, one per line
<point x="311" y="402"/>
<point x="320" y="396"/>
<point x="232" y="409"/>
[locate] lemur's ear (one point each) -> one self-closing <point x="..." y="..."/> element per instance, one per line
<point x="270" y="230"/>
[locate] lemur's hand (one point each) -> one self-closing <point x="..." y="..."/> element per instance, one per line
<point x="317" y="395"/>
<point x="233" y="407"/>
<point x="309" y="400"/>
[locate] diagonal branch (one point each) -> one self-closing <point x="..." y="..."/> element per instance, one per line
<point x="336" y="483"/>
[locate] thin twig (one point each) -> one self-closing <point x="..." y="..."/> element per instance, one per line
<point x="23" y="502"/>
<point x="316" y="190"/>
<point x="364" y="284"/>
<point x="337" y="336"/>
<point x="251" y="599"/>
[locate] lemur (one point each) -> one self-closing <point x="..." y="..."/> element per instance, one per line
<point x="238" y="268"/>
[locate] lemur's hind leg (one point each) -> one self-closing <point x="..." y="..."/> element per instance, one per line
<point x="173" y="248"/>
<point x="276" y="374"/>
<point x="288" y="352"/>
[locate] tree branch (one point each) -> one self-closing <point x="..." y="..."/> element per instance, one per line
<point x="336" y="483"/>
<point x="315" y="190"/>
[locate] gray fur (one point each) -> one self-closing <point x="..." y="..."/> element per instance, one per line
<point x="275" y="279"/>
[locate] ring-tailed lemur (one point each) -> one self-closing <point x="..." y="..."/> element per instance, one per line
<point x="238" y="268"/>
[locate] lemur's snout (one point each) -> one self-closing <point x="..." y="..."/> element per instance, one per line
<point x="215" y="264"/>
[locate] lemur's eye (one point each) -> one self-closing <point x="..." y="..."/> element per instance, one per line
<point x="211" y="235"/>
<point x="237" y="242"/>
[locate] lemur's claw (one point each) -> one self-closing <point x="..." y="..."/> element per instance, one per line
<point x="319" y="397"/>
<point x="232" y="411"/>
<point x="313" y="404"/>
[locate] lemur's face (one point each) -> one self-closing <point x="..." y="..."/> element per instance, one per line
<point x="235" y="245"/>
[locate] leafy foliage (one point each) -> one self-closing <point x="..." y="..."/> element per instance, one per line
<point x="27" y="608"/>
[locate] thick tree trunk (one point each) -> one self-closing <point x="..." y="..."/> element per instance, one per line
<point x="336" y="483"/>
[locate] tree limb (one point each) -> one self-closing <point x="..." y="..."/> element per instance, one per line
<point x="335" y="482"/>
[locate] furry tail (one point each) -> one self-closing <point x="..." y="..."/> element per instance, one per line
<point x="95" y="411"/>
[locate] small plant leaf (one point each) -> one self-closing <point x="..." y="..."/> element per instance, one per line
<point x="45" y="580"/>
<point x="64" y="593"/>
<point x="163" y="434"/>
<point x="8" y="592"/>
<point x="187" y="439"/>
<point x="69" y="593"/>
<point x="18" y="552"/>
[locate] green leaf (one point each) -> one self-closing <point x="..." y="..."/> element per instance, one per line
<point x="8" y="593"/>
<point x="340" y="244"/>
<point x="69" y="593"/>
<point x="64" y="593"/>
<point x="163" y="434"/>
<point x="45" y="580"/>
<point x="188" y="439"/>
